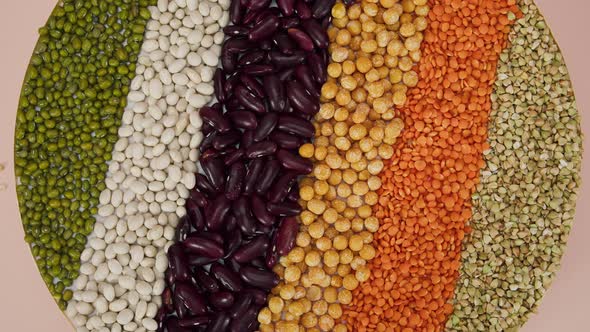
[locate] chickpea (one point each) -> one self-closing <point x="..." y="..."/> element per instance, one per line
<point x="326" y="323"/>
<point x="321" y="187"/>
<point x="342" y="143"/>
<point x="344" y="190"/>
<point x="371" y="198"/>
<point x="340" y="242"/>
<point x="363" y="64"/>
<point x="386" y="151"/>
<point x="350" y="282"/>
<point x="320" y="307"/>
<point x="322" y="171"/>
<point x="343" y="97"/>
<point x="309" y="320"/>
<point x="359" y="95"/>
<point x="331" y="258"/>
<point x="346" y="256"/>
<point x="369" y="46"/>
<point x="327" y="111"/>
<point x="287" y="292"/>
<point x="375" y="166"/>
<point x="357" y="225"/>
<point x="354" y="27"/>
<point x="374" y="183"/>
<point x="303" y="239"/>
<point x="367" y="252"/>
<point x="336" y="281"/>
<point x="330" y="215"/>
<point x="307" y="217"/>
<point x="362" y="274"/>
<point x="316" y="230"/>
<point x="345" y="296"/>
<point x="390" y="16"/>
<point x="329" y="90"/>
<point x="342" y="225"/>
<point x="306" y="150"/>
<point x="323" y="244"/>
<point x="320" y="152"/>
<point x="335" y="177"/>
<point x="348" y="83"/>
<point x="296" y="308"/>
<point x="275" y="304"/>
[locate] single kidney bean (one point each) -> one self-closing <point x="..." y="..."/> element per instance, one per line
<point x="198" y="198"/>
<point x="255" y="5"/>
<point x="272" y="256"/>
<point x="258" y="262"/>
<point x="246" y="322"/>
<point x="208" y="140"/>
<point x="281" y="188"/>
<point x="258" y="296"/>
<point x="252" y="57"/>
<point x="315" y="31"/>
<point x="302" y="39"/>
<point x="190" y="297"/>
<point x="209" y="235"/>
<point x="233" y="157"/>
<point x="194" y="321"/>
<point x="203" y="246"/>
<point x="228" y="60"/>
<point x="302" y="10"/>
<point x="266" y="126"/>
<point x="235" y="31"/>
<point x="285" y="44"/>
<point x="179" y="306"/>
<point x="216" y="213"/>
<point x="248" y="99"/>
<point x="295" y="125"/>
<point x="285" y="209"/>
<point x="322" y="8"/>
<point x="268" y="175"/>
<point x="196" y="216"/>
<point x="219" y="323"/>
<point x="252" y="85"/>
<point x="235" y="181"/>
<point x="218" y="83"/>
<point x="235" y="12"/>
<point x="294" y="162"/>
<point x="243" y="119"/>
<point x="247" y="224"/>
<point x="206" y="281"/>
<point x="241" y="304"/>
<point x="290" y="22"/>
<point x="258" y="70"/>
<point x="178" y="263"/>
<point x="286" y="6"/>
<point x="264" y="29"/>
<point x="252" y="249"/>
<point x="228" y="279"/>
<point x="235" y="45"/>
<point x="197" y="260"/>
<point x="287" y="60"/>
<point x="303" y="74"/>
<point x="229" y="85"/>
<point x="169" y="276"/>
<point x="167" y="301"/>
<point x="259" y="278"/>
<point x="275" y="92"/>
<point x="215" y="119"/>
<point x="254" y="168"/>
<point x="233" y="241"/>
<point x="285" y="75"/>
<point x="318" y="68"/>
<point x="213" y="169"/>
<point x="285" y="140"/>
<point x="183" y="228"/>
<point x="222" y="300"/>
<point x="286" y="235"/>
<point x="224" y="141"/>
<point x="300" y="99"/>
<point x="260" y="212"/>
<point x="261" y="149"/>
<point x="204" y="185"/>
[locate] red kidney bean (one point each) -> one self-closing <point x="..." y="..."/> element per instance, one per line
<point x="260" y="212"/>
<point x="235" y="181"/>
<point x="233" y="157"/>
<point x="241" y="304"/>
<point x="300" y="99"/>
<point x="249" y="100"/>
<point x="272" y="257"/>
<point x="209" y="235"/>
<point x="254" y="168"/>
<point x="206" y="281"/>
<point x="290" y="22"/>
<point x="281" y="188"/>
<point x="235" y="31"/>
<point x="285" y="141"/>
<point x="207" y="141"/>
<point x="285" y="75"/>
<point x="285" y="209"/>
<point x="222" y="300"/>
<point x="233" y="241"/>
<point x="317" y="34"/>
<point x="218" y="82"/>
<point x="293" y="194"/>
<point x="247" y="139"/>
<point x="303" y="74"/>
<point x="285" y="44"/>
<point x="258" y="296"/>
<point x="261" y="149"/>
<point x="226" y="277"/>
<point x="220" y="323"/>
<point x="246" y="322"/>
<point x="235" y="12"/>
<point x="266" y="126"/>
<point x="302" y="10"/>
<point x="252" y="57"/>
<point x="243" y="119"/>
<point x="178" y="263"/>
<point x="254" y="5"/>
<point x="235" y="45"/>
<point x="198" y="197"/>
<point x="183" y="228"/>
<point x="195" y="260"/>
<point x="264" y="29"/>
<point x="286" y="235"/>
<point x="286" y="6"/>
<point x="189" y="296"/>
<point x="287" y="60"/>
<point x="167" y="302"/>
<point x="322" y="8"/>
<point x="204" y="185"/>
<point x="275" y="92"/>
<point x="209" y="154"/>
<point x="258" y="262"/>
<point x="169" y="277"/>
<point x="318" y="68"/>
<point x="203" y="246"/>
<point x="268" y="176"/>
<point x="215" y="119"/>
<point x="253" y="85"/>
<point x="228" y="61"/>
<point x="301" y="38"/>
<point x="179" y="306"/>
<point x="252" y="249"/>
<point x="258" y="278"/>
<point x="217" y="212"/>
<point x="295" y="125"/>
<point x="194" y="321"/>
<point x="294" y="162"/>
<point x="196" y="216"/>
<point x="213" y="169"/>
<point x="258" y="70"/>
<point x="222" y="142"/>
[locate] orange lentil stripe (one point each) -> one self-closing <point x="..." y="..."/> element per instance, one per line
<point x="425" y="199"/>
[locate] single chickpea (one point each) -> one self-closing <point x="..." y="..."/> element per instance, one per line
<point x="296" y="308"/>
<point x="338" y="328"/>
<point x="367" y="253"/>
<point x="305" y="281"/>
<point x="309" y="320"/>
<point x="303" y="239"/>
<point x="354" y="201"/>
<point x="335" y="310"/>
<point x="287" y="292"/>
<point x="300" y="292"/>
<point x="349" y="176"/>
<point x="383" y="38"/>
<point x="307" y="217"/>
<point x="330" y="215"/>
<point x="357" y="224"/>
<point x="354" y="11"/>
<point x="395" y="47"/>
<point x="343" y="97"/>
<point x="321" y="187"/>
<point x="359" y="95"/>
<point x="355" y="27"/>
<point x="322" y="171"/>
<point x="342" y="225"/>
<point x="364" y="175"/>
<point x="329" y="90"/>
<point x="339" y="54"/>
<point x="357" y="132"/>
<point x="371" y="198"/>
<point x="372" y="154"/>
<point x="327" y="111"/>
<point x="390" y="16"/>
<point x="340" y="23"/>
<point x="306" y="193"/>
<point x="374" y="183"/>
<point x="378" y="60"/>
<point x="342" y="143"/>
<point x="316" y="230"/>
<point x="345" y="296"/>
<point x="406" y="63"/>
<point x="416" y="56"/>
<point x="320" y="307"/>
<point x="349" y="213"/>
<point x="323" y="244"/>
<point x="320" y="152"/>
<point x="265" y="316"/>
<point x="306" y="150"/>
<point x="339" y="206"/>
<point x="348" y="67"/>
<point x="369" y="26"/>
<point x="377" y="133"/>
<point x="357" y="262"/>
<point x="344" y="270"/>
<point x="366" y="144"/>
<point x="340" y="242"/>
<point x="391" y="61"/>
<point x="343" y="37"/>
<point x="316" y="206"/>
<point x="346" y="256"/>
<point x="344" y="190"/>
<point x="360" y="114"/>
<point x="421" y="23"/>
<point x="386" y="151"/>
<point x="339" y="10"/>
<point x="266" y="327"/>
<point x="355" y="243"/>
<point x="375" y="166"/>
<point x="335" y="177"/>
<point x="331" y="194"/>
<point x="348" y="83"/>
<point x="410" y="78"/>
<point x="275" y="304"/>
<point x="350" y="282"/>
<point x="326" y="129"/>
<point x="326" y="323"/>
<point x="372" y="75"/>
<point x="408" y="6"/>
<point x="292" y="273"/>
<point x="363" y="274"/>
<point x="364" y="211"/>
<point x="341" y="115"/>
<point x="363" y="64"/>
<point x="354" y="155"/>
<point x="336" y="281"/>
<point x="369" y="46"/>
<point x="334" y="70"/>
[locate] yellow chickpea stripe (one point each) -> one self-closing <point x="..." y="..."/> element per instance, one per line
<point x="373" y="47"/>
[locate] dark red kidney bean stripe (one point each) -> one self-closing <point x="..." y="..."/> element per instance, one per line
<point x="242" y="214"/>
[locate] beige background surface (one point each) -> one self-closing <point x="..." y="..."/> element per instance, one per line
<point x="27" y="306"/>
